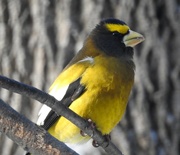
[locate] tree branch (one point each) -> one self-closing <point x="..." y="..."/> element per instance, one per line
<point x="62" y="110"/>
<point x="28" y="135"/>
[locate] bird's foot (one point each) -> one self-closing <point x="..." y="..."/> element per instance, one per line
<point x="92" y="126"/>
<point x="107" y="137"/>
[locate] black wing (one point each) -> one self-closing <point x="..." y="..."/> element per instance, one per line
<point x="74" y="90"/>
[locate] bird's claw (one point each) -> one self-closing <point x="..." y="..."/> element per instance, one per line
<point x="107" y="137"/>
<point x="91" y="125"/>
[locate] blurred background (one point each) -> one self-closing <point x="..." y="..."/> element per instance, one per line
<point x="39" y="37"/>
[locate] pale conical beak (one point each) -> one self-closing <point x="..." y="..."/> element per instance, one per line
<point x="133" y="38"/>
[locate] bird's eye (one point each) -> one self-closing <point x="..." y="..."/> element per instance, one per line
<point x="115" y="33"/>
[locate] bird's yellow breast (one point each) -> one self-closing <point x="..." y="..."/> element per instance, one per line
<point x="108" y="83"/>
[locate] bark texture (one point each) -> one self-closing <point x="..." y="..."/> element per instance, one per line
<point x="39" y="37"/>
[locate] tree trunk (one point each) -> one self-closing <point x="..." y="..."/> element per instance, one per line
<point x="39" y="37"/>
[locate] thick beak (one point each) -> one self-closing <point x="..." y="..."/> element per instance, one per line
<point x="133" y="38"/>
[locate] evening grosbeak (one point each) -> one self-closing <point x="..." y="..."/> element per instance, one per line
<point x="96" y="83"/>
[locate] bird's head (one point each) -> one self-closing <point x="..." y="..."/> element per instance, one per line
<point x="114" y="36"/>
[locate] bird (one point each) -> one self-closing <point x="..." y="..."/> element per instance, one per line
<point x="97" y="82"/>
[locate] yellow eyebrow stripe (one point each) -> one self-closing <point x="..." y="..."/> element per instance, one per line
<point x="117" y="27"/>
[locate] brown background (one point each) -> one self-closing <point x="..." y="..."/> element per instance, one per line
<point x="39" y="37"/>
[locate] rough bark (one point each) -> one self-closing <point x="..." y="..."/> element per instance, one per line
<point x="39" y="37"/>
<point x="28" y="135"/>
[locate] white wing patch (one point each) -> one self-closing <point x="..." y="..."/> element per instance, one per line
<point x="44" y="111"/>
<point x="59" y="93"/>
